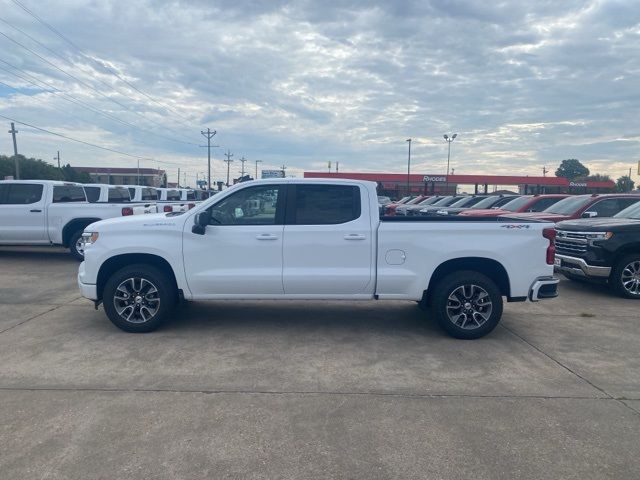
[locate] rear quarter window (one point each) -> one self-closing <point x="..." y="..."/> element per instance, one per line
<point x="93" y="193"/>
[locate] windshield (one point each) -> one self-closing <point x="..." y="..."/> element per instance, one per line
<point x="430" y="201"/>
<point x="414" y="201"/>
<point x="517" y="204"/>
<point x="569" y="205"/>
<point x="487" y="202"/>
<point x="445" y="201"/>
<point x="466" y="202"/>
<point x="632" y="212"/>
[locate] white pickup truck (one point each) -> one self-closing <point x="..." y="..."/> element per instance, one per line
<point x="315" y="239"/>
<point x="44" y="212"/>
<point x="176" y="199"/>
<point x="105" y="193"/>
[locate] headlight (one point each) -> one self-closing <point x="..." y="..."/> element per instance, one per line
<point x="599" y="235"/>
<point x="90" y="237"/>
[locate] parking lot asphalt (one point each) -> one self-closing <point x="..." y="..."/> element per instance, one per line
<point x="293" y="390"/>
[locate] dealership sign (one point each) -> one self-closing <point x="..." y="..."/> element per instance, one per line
<point x="576" y="184"/>
<point x="428" y="179"/>
<point x="272" y="173"/>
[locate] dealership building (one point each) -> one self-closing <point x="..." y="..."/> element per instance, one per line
<point x="397" y="185"/>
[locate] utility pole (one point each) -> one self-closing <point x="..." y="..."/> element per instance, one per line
<point x="186" y="185"/>
<point x="57" y="157"/>
<point x="209" y="134"/>
<point x="13" y="132"/>
<point x="228" y="161"/>
<point x="178" y="177"/>
<point x="257" y="162"/>
<point x="409" y="167"/>
<point x="242" y="160"/>
<point x="337" y="163"/>
<point x="283" y="170"/>
<point x="544" y="171"/>
<point x="138" y="181"/>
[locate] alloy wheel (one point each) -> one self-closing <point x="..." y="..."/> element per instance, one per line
<point x="136" y="300"/>
<point x="630" y="277"/>
<point x="469" y="306"/>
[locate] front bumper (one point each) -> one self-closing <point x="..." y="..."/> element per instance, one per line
<point x="543" y="288"/>
<point x="87" y="290"/>
<point x="579" y="266"/>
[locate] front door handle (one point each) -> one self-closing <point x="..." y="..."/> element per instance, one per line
<point x="35" y="210"/>
<point x="266" y="236"/>
<point x="354" y="236"/>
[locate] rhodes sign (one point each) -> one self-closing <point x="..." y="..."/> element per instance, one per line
<point x="435" y="179"/>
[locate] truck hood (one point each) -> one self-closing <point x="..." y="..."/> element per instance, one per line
<point x="600" y="224"/>
<point x="150" y="221"/>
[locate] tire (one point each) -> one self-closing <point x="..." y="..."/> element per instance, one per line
<point x="625" y="276"/>
<point x="138" y="298"/>
<point x="484" y="306"/>
<point x="76" y="247"/>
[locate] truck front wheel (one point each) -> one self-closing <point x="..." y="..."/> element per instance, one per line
<point x="625" y="277"/>
<point x="138" y="298"/>
<point x="466" y="304"/>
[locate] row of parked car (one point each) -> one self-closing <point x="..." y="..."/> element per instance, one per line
<point x="45" y="212"/>
<point x="597" y="236"/>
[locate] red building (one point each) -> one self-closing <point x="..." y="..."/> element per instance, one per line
<point x="395" y="184"/>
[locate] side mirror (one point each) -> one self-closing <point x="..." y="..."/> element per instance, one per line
<point x="200" y="222"/>
<point x="589" y="214"/>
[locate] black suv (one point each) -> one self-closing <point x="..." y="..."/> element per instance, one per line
<point x="602" y="249"/>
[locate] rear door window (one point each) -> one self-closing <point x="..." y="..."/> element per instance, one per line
<point x="148" y="194"/>
<point x="324" y="204"/>
<point x="68" y="193"/>
<point x="119" y="195"/>
<point x="20" y="193"/>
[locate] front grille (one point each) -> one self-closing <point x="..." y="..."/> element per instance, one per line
<point x="571" y="243"/>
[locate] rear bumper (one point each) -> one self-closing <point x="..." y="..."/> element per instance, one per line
<point x="579" y="266"/>
<point x="543" y="288"/>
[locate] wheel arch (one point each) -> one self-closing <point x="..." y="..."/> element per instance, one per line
<point x="73" y="226"/>
<point x="113" y="264"/>
<point x="486" y="266"/>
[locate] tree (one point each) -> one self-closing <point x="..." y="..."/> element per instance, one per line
<point x="599" y="177"/>
<point x="35" y="169"/>
<point x="572" y="169"/>
<point x="624" y="184"/>
<point x="73" y="175"/>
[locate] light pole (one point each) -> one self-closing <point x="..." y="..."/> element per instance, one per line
<point x="449" y="140"/>
<point x="257" y="162"/>
<point x="408" y="167"/>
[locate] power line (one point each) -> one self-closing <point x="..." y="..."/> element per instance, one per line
<point x="112" y="71"/>
<point x="82" y="82"/>
<point x="72" y="99"/>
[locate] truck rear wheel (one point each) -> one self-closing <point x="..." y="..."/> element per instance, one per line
<point x="625" y="277"/>
<point x="466" y="304"/>
<point x="138" y="298"/>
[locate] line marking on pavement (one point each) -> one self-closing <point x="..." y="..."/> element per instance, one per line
<point x="558" y="362"/>
<point x="31" y="318"/>
<point x="303" y="392"/>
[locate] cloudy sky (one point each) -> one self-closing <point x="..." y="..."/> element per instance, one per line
<point x="524" y="84"/>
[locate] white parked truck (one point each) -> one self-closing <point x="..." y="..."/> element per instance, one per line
<point x="175" y="199"/>
<point x="105" y="193"/>
<point x="45" y="212"/>
<point x="314" y="239"/>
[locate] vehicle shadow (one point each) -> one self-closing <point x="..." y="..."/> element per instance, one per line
<point x="397" y="317"/>
<point x="37" y="254"/>
<point x="591" y="287"/>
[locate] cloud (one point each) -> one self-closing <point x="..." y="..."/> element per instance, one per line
<point x="524" y="84"/>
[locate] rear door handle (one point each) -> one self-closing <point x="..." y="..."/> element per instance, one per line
<point x="266" y="236"/>
<point x="35" y="210"/>
<point x="354" y="236"/>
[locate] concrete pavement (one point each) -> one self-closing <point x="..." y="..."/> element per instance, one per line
<point x="311" y="389"/>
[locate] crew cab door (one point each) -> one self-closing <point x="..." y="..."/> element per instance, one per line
<point x="240" y="252"/>
<point x="327" y="240"/>
<point x="22" y="213"/>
